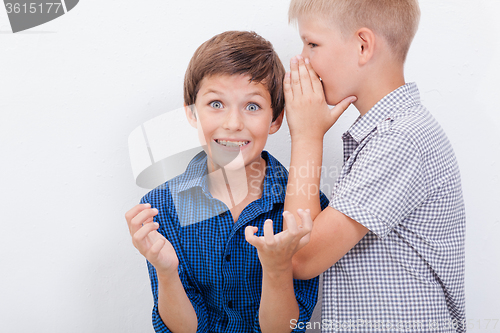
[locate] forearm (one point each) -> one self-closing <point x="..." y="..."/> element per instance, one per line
<point x="278" y="305"/>
<point x="174" y="306"/>
<point x="333" y="235"/>
<point x="304" y="177"/>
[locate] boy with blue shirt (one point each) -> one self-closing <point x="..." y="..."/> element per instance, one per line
<point x="391" y="242"/>
<point x="209" y="272"/>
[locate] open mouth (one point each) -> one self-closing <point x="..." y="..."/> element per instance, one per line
<point x="232" y="144"/>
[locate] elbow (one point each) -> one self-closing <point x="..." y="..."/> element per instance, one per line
<point x="301" y="270"/>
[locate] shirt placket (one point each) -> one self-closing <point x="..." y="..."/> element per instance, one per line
<point x="228" y="281"/>
<point x="349" y="146"/>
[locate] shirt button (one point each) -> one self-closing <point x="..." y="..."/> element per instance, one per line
<point x="230" y="304"/>
<point x="228" y="257"/>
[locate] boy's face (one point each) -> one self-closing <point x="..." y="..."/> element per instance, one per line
<point x="233" y="115"/>
<point x="332" y="58"/>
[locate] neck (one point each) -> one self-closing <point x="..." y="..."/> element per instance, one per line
<point x="380" y="84"/>
<point x="233" y="185"/>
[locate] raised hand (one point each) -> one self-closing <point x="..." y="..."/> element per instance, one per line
<point x="276" y="251"/>
<point x="307" y="112"/>
<point x="150" y="243"/>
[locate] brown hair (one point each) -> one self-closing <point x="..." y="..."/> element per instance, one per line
<point x="395" y="20"/>
<point x="237" y="52"/>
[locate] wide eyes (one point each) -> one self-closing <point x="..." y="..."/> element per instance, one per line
<point x="253" y="107"/>
<point x="216" y="105"/>
<point x="249" y="107"/>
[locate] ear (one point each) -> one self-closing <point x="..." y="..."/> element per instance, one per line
<point x="366" y="45"/>
<point x="275" y="125"/>
<point x="191" y="115"/>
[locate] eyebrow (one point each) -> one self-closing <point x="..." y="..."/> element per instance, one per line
<point x="303" y="36"/>
<point x="251" y="94"/>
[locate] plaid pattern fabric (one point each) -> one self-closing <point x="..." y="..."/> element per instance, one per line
<point x="219" y="269"/>
<point x="401" y="180"/>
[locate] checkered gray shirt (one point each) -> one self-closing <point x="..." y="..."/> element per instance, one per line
<point x="401" y="180"/>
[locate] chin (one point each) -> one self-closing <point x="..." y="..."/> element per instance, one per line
<point x="334" y="99"/>
<point x="226" y="158"/>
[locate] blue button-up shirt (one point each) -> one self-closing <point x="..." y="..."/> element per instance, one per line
<point x="220" y="271"/>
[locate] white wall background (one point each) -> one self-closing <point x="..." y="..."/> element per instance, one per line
<point x="73" y="89"/>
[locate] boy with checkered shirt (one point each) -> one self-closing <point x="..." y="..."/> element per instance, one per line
<point x="209" y="271"/>
<point x="391" y="242"/>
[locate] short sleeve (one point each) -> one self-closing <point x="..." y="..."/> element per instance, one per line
<point x="191" y="292"/>
<point x="383" y="185"/>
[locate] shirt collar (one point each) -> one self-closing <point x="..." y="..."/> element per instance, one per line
<point x="384" y="109"/>
<point x="274" y="186"/>
<point x="194" y="176"/>
<point x="275" y="181"/>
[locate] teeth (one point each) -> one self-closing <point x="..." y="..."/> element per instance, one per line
<point x="232" y="143"/>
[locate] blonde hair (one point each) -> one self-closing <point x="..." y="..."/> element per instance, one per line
<point x="395" y="20"/>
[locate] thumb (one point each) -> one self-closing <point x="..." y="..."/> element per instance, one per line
<point x="250" y="237"/>
<point x="337" y="111"/>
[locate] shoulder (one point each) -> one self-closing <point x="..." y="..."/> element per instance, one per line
<point x="163" y="193"/>
<point x="273" y="164"/>
<point x="418" y="126"/>
<point x="415" y="133"/>
<point x="158" y="196"/>
<point x="276" y="173"/>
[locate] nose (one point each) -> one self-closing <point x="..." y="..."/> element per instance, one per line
<point x="305" y="52"/>
<point x="233" y="120"/>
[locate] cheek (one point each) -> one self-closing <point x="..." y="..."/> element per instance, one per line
<point x="260" y="131"/>
<point x="206" y="127"/>
<point x="201" y="136"/>
<point x="316" y="64"/>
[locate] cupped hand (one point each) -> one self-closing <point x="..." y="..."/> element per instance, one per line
<point x="276" y="251"/>
<point x="307" y="113"/>
<point x="150" y="243"/>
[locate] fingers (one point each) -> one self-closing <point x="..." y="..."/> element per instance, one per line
<point x="317" y="86"/>
<point x="305" y="216"/>
<point x="250" y="237"/>
<point x="269" y="233"/>
<point x="135" y="210"/>
<point x="305" y="80"/>
<point x="143" y="217"/>
<point x="295" y="77"/>
<point x="300" y="81"/>
<point x="291" y="224"/>
<point x="258" y="242"/>
<point x="155" y="249"/>
<point x="295" y="230"/>
<point x="307" y="224"/>
<point x="139" y="238"/>
<point x="337" y="111"/>
<point x="287" y="88"/>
